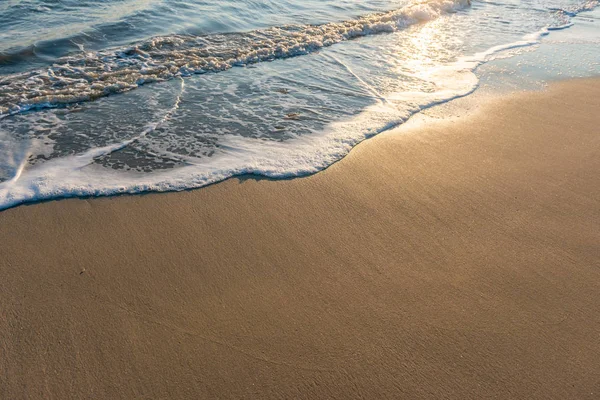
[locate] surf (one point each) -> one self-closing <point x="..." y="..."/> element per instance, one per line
<point x="89" y="76"/>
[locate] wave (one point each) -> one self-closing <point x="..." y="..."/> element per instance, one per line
<point x="92" y="75"/>
<point x="69" y="176"/>
<point x="572" y="11"/>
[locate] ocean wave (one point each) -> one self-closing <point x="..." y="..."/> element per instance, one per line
<point x="73" y="176"/>
<point x="93" y="75"/>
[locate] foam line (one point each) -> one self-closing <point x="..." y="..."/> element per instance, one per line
<point x="67" y="177"/>
<point x="93" y="154"/>
<point x="368" y="87"/>
<point x="74" y="176"/>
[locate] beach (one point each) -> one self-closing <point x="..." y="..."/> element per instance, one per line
<point x="457" y="258"/>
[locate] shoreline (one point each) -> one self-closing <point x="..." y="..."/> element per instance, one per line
<point x="454" y="259"/>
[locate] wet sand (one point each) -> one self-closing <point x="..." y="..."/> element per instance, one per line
<point x="452" y="259"/>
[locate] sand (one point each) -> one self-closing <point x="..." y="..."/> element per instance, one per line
<point x="451" y="259"/>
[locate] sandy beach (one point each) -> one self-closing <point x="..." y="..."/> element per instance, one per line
<point x="451" y="259"/>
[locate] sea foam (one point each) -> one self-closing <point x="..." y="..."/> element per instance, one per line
<point x="90" y="76"/>
<point x="76" y="176"/>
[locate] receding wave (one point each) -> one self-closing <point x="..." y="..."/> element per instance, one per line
<point x="88" y="76"/>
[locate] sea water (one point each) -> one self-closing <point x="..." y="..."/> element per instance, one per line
<point x="128" y="96"/>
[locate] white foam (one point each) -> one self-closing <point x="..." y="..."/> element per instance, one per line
<point x="78" y="176"/>
<point x="78" y="79"/>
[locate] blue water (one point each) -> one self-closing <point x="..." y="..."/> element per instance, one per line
<point x="124" y="96"/>
<point x="38" y="32"/>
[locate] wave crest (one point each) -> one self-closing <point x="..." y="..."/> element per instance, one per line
<point x="92" y="75"/>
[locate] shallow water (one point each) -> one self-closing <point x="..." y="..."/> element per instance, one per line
<point x="99" y="98"/>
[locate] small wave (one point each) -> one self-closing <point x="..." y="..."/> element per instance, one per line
<point x="65" y="177"/>
<point x="12" y="57"/>
<point x="93" y="75"/>
<point x="572" y="11"/>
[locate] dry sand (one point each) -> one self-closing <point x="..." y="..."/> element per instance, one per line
<point x="456" y="259"/>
